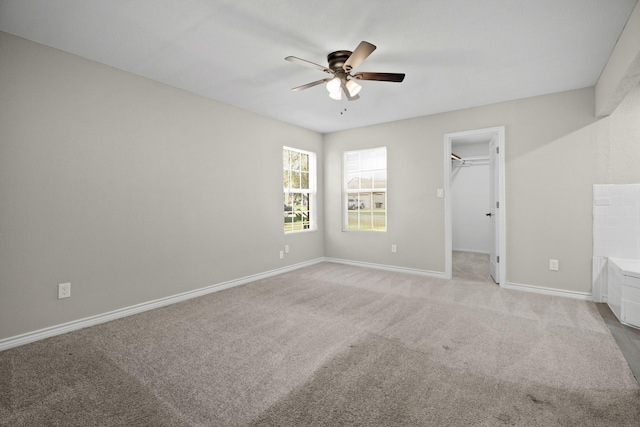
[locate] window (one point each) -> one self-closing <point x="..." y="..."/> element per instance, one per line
<point x="299" y="184"/>
<point x="365" y="189"/>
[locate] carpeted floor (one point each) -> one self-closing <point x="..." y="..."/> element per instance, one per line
<point x="332" y="345"/>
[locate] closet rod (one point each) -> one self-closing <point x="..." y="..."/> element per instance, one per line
<point x="470" y="161"/>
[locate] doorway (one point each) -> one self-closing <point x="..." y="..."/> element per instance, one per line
<point x="474" y="199"/>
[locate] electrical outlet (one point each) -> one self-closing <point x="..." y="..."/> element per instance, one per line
<point x="281" y="254"/>
<point x="286" y="249"/>
<point x="394" y="249"/>
<point x="440" y="192"/>
<point x="64" y="290"/>
<point x="554" y="265"/>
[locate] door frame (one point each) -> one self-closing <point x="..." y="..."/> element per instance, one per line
<point x="501" y="229"/>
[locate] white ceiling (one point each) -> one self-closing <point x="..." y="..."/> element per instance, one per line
<point x="456" y="53"/>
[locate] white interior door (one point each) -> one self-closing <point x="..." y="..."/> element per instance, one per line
<point x="494" y="204"/>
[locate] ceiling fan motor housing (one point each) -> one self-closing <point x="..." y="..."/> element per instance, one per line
<point x="337" y="59"/>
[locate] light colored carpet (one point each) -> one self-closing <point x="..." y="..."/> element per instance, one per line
<point x="471" y="267"/>
<point x="332" y="345"/>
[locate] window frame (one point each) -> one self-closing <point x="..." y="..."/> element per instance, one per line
<point x="311" y="192"/>
<point x="346" y="191"/>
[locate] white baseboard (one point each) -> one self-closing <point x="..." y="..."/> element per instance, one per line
<point x="586" y="296"/>
<point x="526" y="288"/>
<point x="392" y="268"/>
<point x="74" y="325"/>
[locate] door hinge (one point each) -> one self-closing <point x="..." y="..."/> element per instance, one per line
<point x="498" y="259"/>
<point x="497" y="205"/>
<point x="497" y="150"/>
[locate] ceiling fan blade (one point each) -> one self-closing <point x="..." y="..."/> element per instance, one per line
<point x="312" y="84"/>
<point x="309" y="64"/>
<point x="381" y="77"/>
<point x="361" y="53"/>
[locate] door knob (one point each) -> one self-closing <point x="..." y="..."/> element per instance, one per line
<point x="488" y="214"/>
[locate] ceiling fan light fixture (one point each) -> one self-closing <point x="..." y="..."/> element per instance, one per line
<point x="334" y="85"/>
<point x="353" y="88"/>
<point x="335" y="95"/>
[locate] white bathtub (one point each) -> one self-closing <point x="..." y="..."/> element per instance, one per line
<point x="623" y="290"/>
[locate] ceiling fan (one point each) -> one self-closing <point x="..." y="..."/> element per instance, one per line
<point x="341" y="63"/>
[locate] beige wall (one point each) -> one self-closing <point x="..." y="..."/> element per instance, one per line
<point x="129" y="189"/>
<point x="619" y="143"/>
<point x="550" y="168"/>
<point x="555" y="151"/>
<point x="132" y="190"/>
<point x="622" y="71"/>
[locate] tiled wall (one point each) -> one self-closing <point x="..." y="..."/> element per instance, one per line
<point x="616" y="229"/>
<point x="616" y="220"/>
